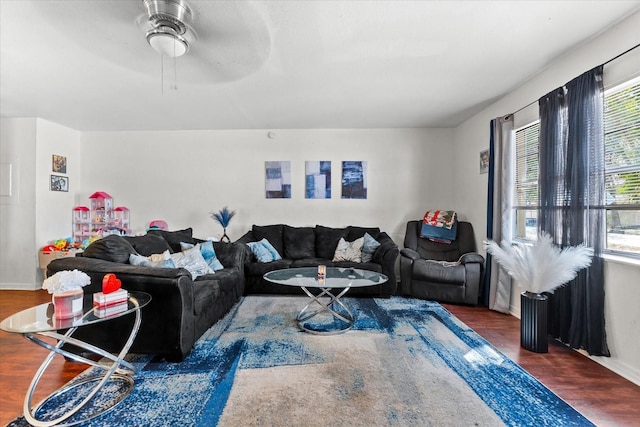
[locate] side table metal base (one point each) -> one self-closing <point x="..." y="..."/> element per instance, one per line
<point x="118" y="370"/>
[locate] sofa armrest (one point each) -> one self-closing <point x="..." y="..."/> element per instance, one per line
<point x="386" y="255"/>
<point x="471" y="257"/>
<point x="410" y="253"/>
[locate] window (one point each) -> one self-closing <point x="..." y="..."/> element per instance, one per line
<point x="622" y="173"/>
<point x="622" y="167"/>
<point x="526" y="180"/>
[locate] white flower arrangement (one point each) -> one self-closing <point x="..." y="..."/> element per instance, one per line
<point x="66" y="280"/>
<point x="541" y="267"/>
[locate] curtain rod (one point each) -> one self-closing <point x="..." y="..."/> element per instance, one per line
<point x="605" y="63"/>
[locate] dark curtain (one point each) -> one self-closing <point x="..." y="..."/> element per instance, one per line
<point x="571" y="192"/>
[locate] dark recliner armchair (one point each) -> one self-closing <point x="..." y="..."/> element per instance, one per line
<point x="438" y="271"/>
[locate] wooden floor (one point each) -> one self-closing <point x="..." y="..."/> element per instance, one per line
<point x="602" y="396"/>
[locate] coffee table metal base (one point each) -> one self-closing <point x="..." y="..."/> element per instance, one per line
<point x="332" y="305"/>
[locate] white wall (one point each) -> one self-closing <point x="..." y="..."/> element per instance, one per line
<point x="181" y="176"/>
<point x="36" y="216"/>
<point x="622" y="285"/>
<point x="18" y="262"/>
<point x="53" y="208"/>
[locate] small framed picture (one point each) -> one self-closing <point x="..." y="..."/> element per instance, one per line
<point x="484" y="161"/>
<point x="59" y="183"/>
<point x="59" y="164"/>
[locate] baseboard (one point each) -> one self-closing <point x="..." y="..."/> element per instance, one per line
<point x="514" y="311"/>
<point x="620" y="368"/>
<point x="18" y="286"/>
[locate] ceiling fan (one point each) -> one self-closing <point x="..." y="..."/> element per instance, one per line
<point x="168" y="26"/>
<point x="233" y="40"/>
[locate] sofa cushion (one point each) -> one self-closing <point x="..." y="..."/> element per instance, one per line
<point x="299" y="242"/>
<point x="260" y="268"/>
<point x="358" y="232"/>
<point x="264" y="251"/>
<point x="311" y="262"/>
<point x="273" y="233"/>
<point x="110" y="248"/>
<point x="349" y="251"/>
<point x="149" y="244"/>
<point x="428" y="270"/>
<point x="208" y="253"/>
<point x="162" y="260"/>
<point x="369" y="247"/>
<point x="327" y="240"/>
<point x="175" y="237"/>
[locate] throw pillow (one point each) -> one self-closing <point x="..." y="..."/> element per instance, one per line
<point x="208" y="253"/>
<point x="175" y="237"/>
<point x="192" y="260"/>
<point x="264" y="251"/>
<point x="149" y="244"/>
<point x="162" y="260"/>
<point x="358" y="232"/>
<point x="110" y="248"/>
<point x="369" y="247"/>
<point x="299" y="242"/>
<point x="326" y="240"/>
<point x="273" y="233"/>
<point x="349" y="251"/>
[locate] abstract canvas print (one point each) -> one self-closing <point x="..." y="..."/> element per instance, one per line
<point x="278" y="180"/>
<point x="354" y="180"/>
<point x="317" y="180"/>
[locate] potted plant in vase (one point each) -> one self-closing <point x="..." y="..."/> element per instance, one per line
<point x="223" y="217"/>
<point x="538" y="269"/>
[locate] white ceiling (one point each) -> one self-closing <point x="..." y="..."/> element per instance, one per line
<point x="85" y="64"/>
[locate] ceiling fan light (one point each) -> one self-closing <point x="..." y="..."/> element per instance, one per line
<point x="167" y="44"/>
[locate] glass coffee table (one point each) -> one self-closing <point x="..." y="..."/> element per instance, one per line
<point x="325" y="299"/>
<point x="38" y="322"/>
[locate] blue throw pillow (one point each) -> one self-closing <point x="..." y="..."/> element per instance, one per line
<point x="369" y="247"/>
<point x="264" y="251"/>
<point x="268" y="246"/>
<point x="208" y="253"/>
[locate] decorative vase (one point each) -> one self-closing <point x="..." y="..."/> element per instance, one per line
<point x="68" y="304"/>
<point x="533" y="322"/>
<point x="224" y="237"/>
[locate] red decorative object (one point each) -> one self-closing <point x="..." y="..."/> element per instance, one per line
<point x="110" y="283"/>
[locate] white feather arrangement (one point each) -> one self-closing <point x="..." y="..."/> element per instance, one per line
<point x="541" y="267"/>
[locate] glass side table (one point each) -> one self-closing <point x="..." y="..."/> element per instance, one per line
<point x="40" y="321"/>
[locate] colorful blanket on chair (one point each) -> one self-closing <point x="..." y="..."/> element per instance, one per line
<point x="440" y="226"/>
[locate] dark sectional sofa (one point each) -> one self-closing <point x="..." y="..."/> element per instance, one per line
<point x="181" y="309"/>
<point x="312" y="246"/>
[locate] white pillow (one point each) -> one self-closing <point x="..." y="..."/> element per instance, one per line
<point x="193" y="261"/>
<point x="349" y="251"/>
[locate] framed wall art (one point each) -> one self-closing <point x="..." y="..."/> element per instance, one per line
<point x="354" y="180"/>
<point x="278" y="180"/>
<point x="58" y="164"/>
<point x="59" y="183"/>
<point x="484" y="161"/>
<point x="317" y="176"/>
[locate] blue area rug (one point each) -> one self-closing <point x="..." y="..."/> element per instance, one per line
<point x="406" y="362"/>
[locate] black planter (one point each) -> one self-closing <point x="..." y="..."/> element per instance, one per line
<point x="533" y="322"/>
